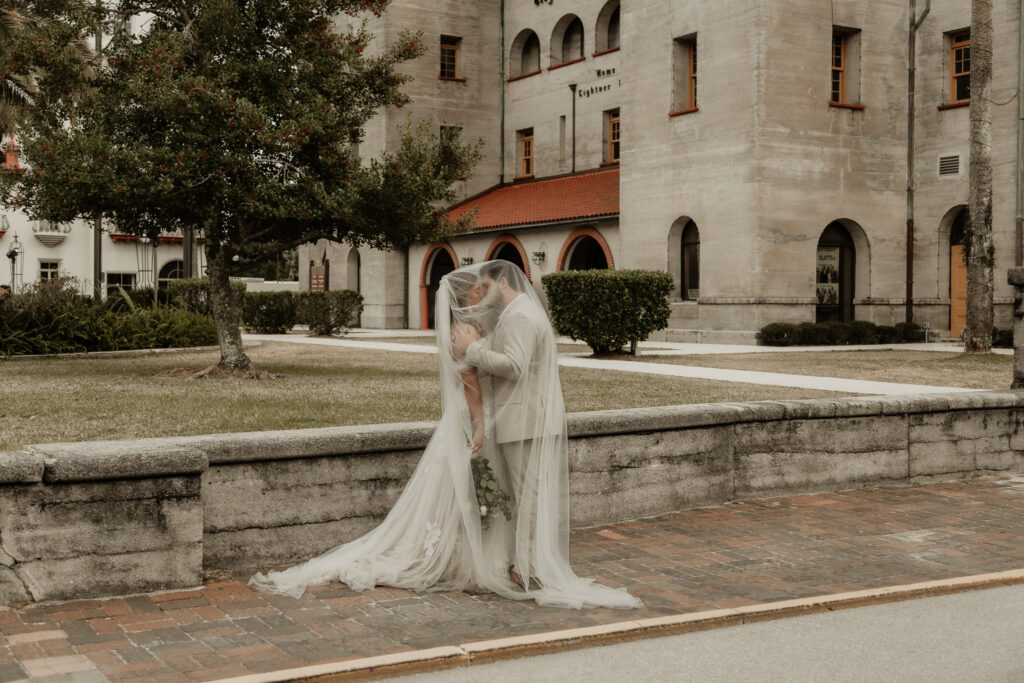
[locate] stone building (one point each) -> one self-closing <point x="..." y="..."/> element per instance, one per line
<point x="758" y="152"/>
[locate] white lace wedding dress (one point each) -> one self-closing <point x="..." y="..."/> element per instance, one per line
<point x="432" y="539"/>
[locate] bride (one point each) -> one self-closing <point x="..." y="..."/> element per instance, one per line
<point x="433" y="539"/>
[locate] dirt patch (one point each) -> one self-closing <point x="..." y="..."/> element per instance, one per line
<point x="217" y="372"/>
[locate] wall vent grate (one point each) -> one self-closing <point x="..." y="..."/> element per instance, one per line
<point x="949" y="165"/>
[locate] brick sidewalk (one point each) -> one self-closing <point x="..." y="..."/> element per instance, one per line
<point x="725" y="556"/>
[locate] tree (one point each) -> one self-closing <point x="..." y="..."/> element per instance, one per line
<point x="15" y="88"/>
<point x="980" y="248"/>
<point x="233" y="117"/>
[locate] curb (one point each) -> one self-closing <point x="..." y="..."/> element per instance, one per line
<point x="482" y="652"/>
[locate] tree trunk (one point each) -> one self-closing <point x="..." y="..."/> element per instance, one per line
<point x="225" y="315"/>
<point x="981" y="251"/>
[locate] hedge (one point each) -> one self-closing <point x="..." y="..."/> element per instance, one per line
<point x="193" y="294"/>
<point x="608" y="309"/>
<point x="837" y="333"/>
<point x="327" y="312"/>
<point x="53" y="317"/>
<point x="269" y="312"/>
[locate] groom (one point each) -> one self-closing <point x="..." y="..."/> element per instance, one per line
<point x="519" y="355"/>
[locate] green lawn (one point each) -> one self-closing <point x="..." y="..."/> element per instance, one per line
<point x="88" y="398"/>
<point x="988" y="371"/>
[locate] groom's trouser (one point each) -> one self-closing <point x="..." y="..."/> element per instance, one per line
<point x="517" y="455"/>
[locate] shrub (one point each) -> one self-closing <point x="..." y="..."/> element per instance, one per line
<point x="838" y="333"/>
<point x="1002" y="339"/>
<point x="608" y="309"/>
<point x="909" y="332"/>
<point x="886" y="334"/>
<point x="813" y="334"/>
<point x="53" y="317"/>
<point x="779" y="334"/>
<point x="193" y="294"/>
<point x="268" y="312"/>
<point x="862" y="332"/>
<point x="325" y="312"/>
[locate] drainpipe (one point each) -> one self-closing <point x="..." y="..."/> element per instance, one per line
<point x="501" y="88"/>
<point x="572" y="87"/>
<point x="915" y="23"/>
<point x="1020" y="138"/>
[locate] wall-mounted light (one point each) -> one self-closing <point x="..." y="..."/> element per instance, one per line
<point x="466" y="260"/>
<point x="538" y="257"/>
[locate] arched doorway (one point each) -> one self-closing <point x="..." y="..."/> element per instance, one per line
<point x="508" y="248"/>
<point x="585" y="249"/>
<point x="172" y="270"/>
<point x="958" y="274"/>
<point x="690" y="260"/>
<point x="835" y="274"/>
<point x="439" y="261"/>
<point x="353" y="270"/>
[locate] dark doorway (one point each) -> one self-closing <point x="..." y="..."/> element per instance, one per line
<point x="508" y="252"/>
<point x="440" y="265"/>
<point x="834" y="275"/>
<point x="587" y="254"/>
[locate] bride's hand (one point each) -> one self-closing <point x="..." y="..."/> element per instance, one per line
<point x="462" y="337"/>
<point x="478" y="441"/>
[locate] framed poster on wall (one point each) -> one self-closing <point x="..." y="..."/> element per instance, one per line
<point x="828" y="276"/>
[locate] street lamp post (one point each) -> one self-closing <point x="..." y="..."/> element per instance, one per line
<point x="12" y="254"/>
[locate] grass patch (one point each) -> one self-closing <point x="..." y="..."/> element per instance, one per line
<point x="90" y="398"/>
<point x="936" y="368"/>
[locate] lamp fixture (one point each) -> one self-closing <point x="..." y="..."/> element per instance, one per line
<point x="466" y="260"/>
<point x="538" y="257"/>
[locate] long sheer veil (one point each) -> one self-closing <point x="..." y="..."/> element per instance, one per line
<point x="433" y="539"/>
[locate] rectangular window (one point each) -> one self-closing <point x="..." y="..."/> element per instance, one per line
<point x="122" y="280"/>
<point x="684" y="74"/>
<point x="614" y="136"/>
<point x="450" y="57"/>
<point x="49" y="270"/>
<point x="845" y="67"/>
<point x="960" y="67"/>
<point x="526" y="152"/>
<point x="838" y="67"/>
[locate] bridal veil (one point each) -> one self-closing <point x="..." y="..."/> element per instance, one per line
<point x="433" y="539"/>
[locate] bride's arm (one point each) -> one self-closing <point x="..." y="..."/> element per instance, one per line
<point x="474" y="399"/>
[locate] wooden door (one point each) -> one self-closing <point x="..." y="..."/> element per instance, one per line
<point x="957" y="290"/>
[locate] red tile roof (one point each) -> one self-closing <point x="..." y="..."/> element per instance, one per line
<point x="585" y="195"/>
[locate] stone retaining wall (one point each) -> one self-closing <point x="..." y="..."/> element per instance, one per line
<point x="115" y="517"/>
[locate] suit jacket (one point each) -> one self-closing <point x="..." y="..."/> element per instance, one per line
<point x="516" y="356"/>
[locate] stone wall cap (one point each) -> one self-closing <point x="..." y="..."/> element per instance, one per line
<point x="311" y="443"/>
<point x="127" y="459"/>
<point x="21" y="467"/>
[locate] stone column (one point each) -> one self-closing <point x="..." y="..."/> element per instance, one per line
<point x="1015" y="276"/>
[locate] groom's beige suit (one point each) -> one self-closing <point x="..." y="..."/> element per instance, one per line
<point x="510" y="355"/>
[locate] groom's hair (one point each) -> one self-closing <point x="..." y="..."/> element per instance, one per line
<point x="501" y="269"/>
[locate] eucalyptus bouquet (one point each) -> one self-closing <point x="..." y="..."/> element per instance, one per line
<point x="489" y="494"/>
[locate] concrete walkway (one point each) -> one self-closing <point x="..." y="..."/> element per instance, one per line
<point x="697" y="569"/>
<point x="846" y="386"/>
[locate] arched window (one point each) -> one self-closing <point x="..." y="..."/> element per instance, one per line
<point x="567" y="40"/>
<point x="353" y="270"/>
<point x="606" y="33"/>
<point x="835" y="274"/>
<point x="172" y="270"/>
<point x="690" y="261"/>
<point x="524" y="57"/>
<point x="439" y="261"/>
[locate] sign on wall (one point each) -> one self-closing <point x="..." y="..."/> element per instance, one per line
<point x="828" y="276"/>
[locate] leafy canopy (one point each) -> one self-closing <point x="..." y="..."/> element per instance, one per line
<point x="233" y="116"/>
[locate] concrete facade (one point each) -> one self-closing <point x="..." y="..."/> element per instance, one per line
<point x="762" y="162"/>
<point x="70" y="246"/>
<point x="115" y="517"/>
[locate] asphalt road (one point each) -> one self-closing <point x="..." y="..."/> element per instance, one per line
<point x="973" y="636"/>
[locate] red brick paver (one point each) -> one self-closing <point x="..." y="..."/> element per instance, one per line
<point x="725" y="556"/>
